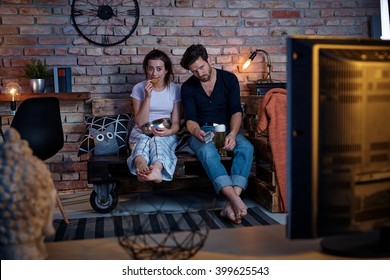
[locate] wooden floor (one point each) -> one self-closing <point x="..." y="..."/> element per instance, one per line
<point x="247" y="243"/>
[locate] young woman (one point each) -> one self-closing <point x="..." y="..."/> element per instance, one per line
<point x="153" y="157"/>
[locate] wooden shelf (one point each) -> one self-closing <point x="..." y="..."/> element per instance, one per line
<point x="262" y="88"/>
<point x="60" y="95"/>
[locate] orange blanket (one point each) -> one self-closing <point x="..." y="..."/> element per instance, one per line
<point x="273" y="116"/>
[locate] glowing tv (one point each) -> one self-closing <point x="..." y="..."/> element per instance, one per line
<point x="338" y="150"/>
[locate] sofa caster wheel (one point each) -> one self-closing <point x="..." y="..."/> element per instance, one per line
<point x="103" y="204"/>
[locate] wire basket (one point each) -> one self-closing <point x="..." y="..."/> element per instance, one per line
<point x="168" y="245"/>
<point x="165" y="225"/>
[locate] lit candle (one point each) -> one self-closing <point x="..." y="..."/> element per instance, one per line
<point x="12" y="92"/>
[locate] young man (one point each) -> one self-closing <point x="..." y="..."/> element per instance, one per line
<point x="213" y="96"/>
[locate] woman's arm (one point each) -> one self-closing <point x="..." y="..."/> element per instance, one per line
<point x="142" y="108"/>
<point x="175" y="118"/>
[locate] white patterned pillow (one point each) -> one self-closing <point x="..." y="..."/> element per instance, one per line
<point x="121" y="124"/>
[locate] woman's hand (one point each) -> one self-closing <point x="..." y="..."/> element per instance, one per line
<point x="162" y="132"/>
<point x="148" y="88"/>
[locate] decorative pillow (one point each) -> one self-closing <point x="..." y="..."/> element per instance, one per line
<point x="121" y="128"/>
<point x="105" y="141"/>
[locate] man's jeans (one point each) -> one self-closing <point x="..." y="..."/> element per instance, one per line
<point x="208" y="155"/>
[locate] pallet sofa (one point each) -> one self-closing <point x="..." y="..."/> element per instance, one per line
<point x="109" y="174"/>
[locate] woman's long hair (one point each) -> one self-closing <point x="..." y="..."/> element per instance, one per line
<point x="157" y="54"/>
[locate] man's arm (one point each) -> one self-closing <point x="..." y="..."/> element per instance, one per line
<point x="194" y="128"/>
<point x="235" y="124"/>
<point x="236" y="118"/>
<point x="235" y="108"/>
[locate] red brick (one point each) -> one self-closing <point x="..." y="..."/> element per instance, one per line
<point x="41" y="30"/>
<point x="6" y="30"/>
<point x="71" y="185"/>
<point x="20" y="41"/>
<point x="38" y="52"/>
<point x="285" y="14"/>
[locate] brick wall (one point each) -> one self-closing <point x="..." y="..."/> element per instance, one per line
<point x="69" y="171"/>
<point x="230" y="29"/>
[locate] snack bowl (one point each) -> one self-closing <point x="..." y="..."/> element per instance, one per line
<point x="159" y="123"/>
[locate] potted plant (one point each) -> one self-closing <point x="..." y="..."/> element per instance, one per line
<point x="37" y="72"/>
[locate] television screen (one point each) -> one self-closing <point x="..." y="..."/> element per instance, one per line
<point x="385" y="20"/>
<point x="338" y="150"/>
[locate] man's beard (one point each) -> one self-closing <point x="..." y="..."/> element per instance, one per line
<point x="205" y="78"/>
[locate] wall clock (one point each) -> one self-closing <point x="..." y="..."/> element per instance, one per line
<point x="105" y="22"/>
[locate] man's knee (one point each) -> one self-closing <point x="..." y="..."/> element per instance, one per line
<point x="246" y="147"/>
<point x="206" y="152"/>
<point x="249" y="147"/>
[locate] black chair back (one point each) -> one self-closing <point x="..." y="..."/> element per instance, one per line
<point x="38" y="120"/>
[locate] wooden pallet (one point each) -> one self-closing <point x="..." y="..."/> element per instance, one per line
<point x="265" y="194"/>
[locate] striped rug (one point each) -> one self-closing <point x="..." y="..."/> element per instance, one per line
<point x="100" y="227"/>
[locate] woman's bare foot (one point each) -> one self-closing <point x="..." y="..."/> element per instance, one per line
<point x="142" y="169"/>
<point x="154" y="173"/>
<point x="141" y="172"/>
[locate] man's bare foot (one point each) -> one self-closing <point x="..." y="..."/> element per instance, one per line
<point x="227" y="212"/>
<point x="154" y="175"/>
<point x="235" y="215"/>
<point x="234" y="210"/>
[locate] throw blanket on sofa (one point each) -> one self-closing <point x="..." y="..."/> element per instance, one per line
<point x="273" y="116"/>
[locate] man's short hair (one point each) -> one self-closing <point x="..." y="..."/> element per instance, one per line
<point x="192" y="53"/>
